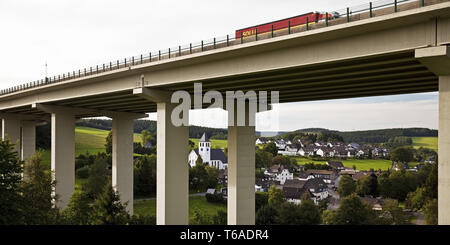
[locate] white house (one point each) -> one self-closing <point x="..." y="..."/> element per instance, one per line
<point x="354" y="145"/>
<point x="279" y="173"/>
<point x="318" y="188"/>
<point x="213" y="157"/>
<point x="281" y="145"/>
<point x="261" y="141"/>
<point x="290" y="150"/>
<point x="307" y="151"/>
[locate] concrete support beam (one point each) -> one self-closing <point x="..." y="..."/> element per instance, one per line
<point x="63" y="155"/>
<point x="122" y="159"/>
<point x="28" y="139"/>
<point x="437" y="59"/>
<point x="444" y="151"/>
<point x="241" y="173"/>
<point x="11" y="130"/>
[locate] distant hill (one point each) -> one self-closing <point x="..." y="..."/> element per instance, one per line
<point x="139" y="125"/>
<point x="195" y="132"/>
<point x="362" y="137"/>
<point x="373" y="136"/>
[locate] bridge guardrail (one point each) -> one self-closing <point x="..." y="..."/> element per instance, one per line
<point x="350" y="14"/>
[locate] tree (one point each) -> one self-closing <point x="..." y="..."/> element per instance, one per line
<point x="363" y="185"/>
<point x="285" y="161"/>
<point x="431" y="184"/>
<point x="261" y="199"/>
<point x="431" y="212"/>
<point x="145" y="176"/>
<point x="352" y="211"/>
<point x="402" y="154"/>
<point x="98" y="178"/>
<point x="263" y="159"/>
<point x="394" y="213"/>
<point x="107" y="208"/>
<point x="201" y="218"/>
<point x="146" y="137"/>
<point x="198" y="177"/>
<point x="276" y="197"/>
<point x="108" y="144"/>
<point x="266" y="215"/>
<point x="271" y="148"/>
<point x="220" y="218"/>
<point x="191" y="145"/>
<point x="346" y="186"/>
<point x="417" y="199"/>
<point x="143" y="220"/>
<point x="307" y="213"/>
<point x="212" y="176"/>
<point x="370" y="155"/>
<point x="11" y="200"/>
<point x="37" y="192"/>
<point x="78" y="211"/>
<point x="397" y="184"/>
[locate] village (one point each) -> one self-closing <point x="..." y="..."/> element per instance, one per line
<point x="319" y="182"/>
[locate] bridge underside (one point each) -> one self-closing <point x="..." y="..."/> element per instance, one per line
<point x="389" y="74"/>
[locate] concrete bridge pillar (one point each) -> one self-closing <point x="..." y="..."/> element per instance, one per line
<point x="63" y="155"/>
<point x="172" y="172"/>
<point x="172" y="175"/>
<point x="28" y="139"/>
<point x="11" y="130"/>
<point x="241" y="171"/>
<point x="437" y="59"/>
<point x="444" y="151"/>
<point x="122" y="159"/>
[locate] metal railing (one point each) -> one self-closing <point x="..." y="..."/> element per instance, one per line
<point x="350" y="14"/>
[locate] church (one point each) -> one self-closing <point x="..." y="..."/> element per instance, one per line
<point x="213" y="157"/>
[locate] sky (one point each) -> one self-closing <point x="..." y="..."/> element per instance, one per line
<point x="70" y="35"/>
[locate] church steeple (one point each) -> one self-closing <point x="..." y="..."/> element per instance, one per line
<point x="204" y="138"/>
<point x="204" y="148"/>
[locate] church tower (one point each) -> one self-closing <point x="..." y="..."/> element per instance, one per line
<point x="204" y="148"/>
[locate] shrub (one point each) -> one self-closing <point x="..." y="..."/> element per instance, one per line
<point x="143" y="220"/>
<point x="431" y="212"/>
<point x="261" y="199"/>
<point x="83" y="173"/>
<point x="215" y="198"/>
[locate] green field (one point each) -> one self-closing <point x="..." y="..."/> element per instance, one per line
<point x="361" y="164"/>
<point x="426" y="142"/>
<point x="148" y="207"/>
<point x="90" y="140"/>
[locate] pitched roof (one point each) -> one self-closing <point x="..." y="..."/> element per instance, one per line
<point x="359" y="175"/>
<point x="294" y="193"/>
<point x="204" y="138"/>
<point x="294" y="183"/>
<point x="218" y="154"/>
<point x="336" y="164"/>
<point x="303" y="174"/>
<point x="315" y="183"/>
<point x="318" y="171"/>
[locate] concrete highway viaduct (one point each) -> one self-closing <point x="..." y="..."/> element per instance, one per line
<point x="393" y="53"/>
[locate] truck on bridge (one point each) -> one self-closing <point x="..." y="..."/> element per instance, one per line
<point x="299" y="20"/>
